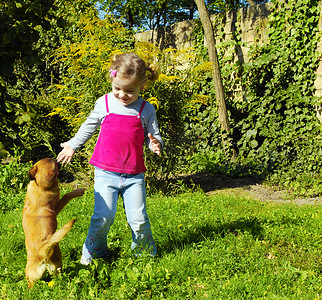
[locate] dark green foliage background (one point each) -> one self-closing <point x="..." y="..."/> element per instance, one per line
<point x="274" y="129"/>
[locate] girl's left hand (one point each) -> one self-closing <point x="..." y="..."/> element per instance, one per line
<point x="156" y="145"/>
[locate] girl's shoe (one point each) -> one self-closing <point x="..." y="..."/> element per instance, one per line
<point x="85" y="262"/>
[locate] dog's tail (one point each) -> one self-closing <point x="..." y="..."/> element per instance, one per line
<point x="48" y="247"/>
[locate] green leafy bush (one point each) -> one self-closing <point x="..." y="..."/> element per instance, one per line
<point x="13" y="180"/>
<point x="280" y="125"/>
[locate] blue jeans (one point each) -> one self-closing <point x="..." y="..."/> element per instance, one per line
<point x="107" y="188"/>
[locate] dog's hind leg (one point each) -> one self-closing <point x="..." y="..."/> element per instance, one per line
<point x="34" y="271"/>
<point x="49" y="256"/>
<point x="55" y="261"/>
<point x="47" y="249"/>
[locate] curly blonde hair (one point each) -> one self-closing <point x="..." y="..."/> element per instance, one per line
<point x="131" y="66"/>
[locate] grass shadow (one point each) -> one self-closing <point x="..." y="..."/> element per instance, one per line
<point x="212" y="231"/>
<point x="211" y="182"/>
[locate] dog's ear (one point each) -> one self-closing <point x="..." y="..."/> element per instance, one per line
<point x="32" y="173"/>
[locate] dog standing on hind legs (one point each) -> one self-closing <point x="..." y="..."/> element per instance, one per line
<point x="42" y="205"/>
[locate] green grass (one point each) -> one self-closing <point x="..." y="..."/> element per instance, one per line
<point x="209" y="247"/>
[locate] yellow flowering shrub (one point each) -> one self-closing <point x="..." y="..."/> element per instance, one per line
<point x="176" y="94"/>
<point x="85" y="65"/>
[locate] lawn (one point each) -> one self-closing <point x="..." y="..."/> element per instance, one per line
<point x="209" y="247"/>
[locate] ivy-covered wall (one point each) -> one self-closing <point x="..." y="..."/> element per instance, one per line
<point x="318" y="81"/>
<point x="270" y="62"/>
<point x="250" y="23"/>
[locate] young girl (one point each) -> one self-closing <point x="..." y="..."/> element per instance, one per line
<point x="126" y="122"/>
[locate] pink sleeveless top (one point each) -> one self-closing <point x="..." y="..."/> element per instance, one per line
<point x="119" y="147"/>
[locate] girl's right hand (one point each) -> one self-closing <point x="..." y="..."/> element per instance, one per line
<point x="65" y="156"/>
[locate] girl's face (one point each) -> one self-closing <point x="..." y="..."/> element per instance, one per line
<point x="125" y="90"/>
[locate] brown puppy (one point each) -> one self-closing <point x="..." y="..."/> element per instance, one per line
<point x="42" y="204"/>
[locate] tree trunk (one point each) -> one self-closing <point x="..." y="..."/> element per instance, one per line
<point x="191" y="9"/>
<point x="219" y="88"/>
<point x="130" y="18"/>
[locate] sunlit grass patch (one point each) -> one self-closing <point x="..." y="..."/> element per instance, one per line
<point x="209" y="247"/>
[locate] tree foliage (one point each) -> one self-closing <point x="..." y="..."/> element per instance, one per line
<point x="29" y="31"/>
<point x="153" y="14"/>
<point x="20" y="24"/>
<point x="218" y="6"/>
<point x="149" y="14"/>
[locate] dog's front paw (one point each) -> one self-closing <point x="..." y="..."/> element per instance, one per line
<point x="78" y="192"/>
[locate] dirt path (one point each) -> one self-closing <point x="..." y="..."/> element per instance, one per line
<point x="248" y="187"/>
